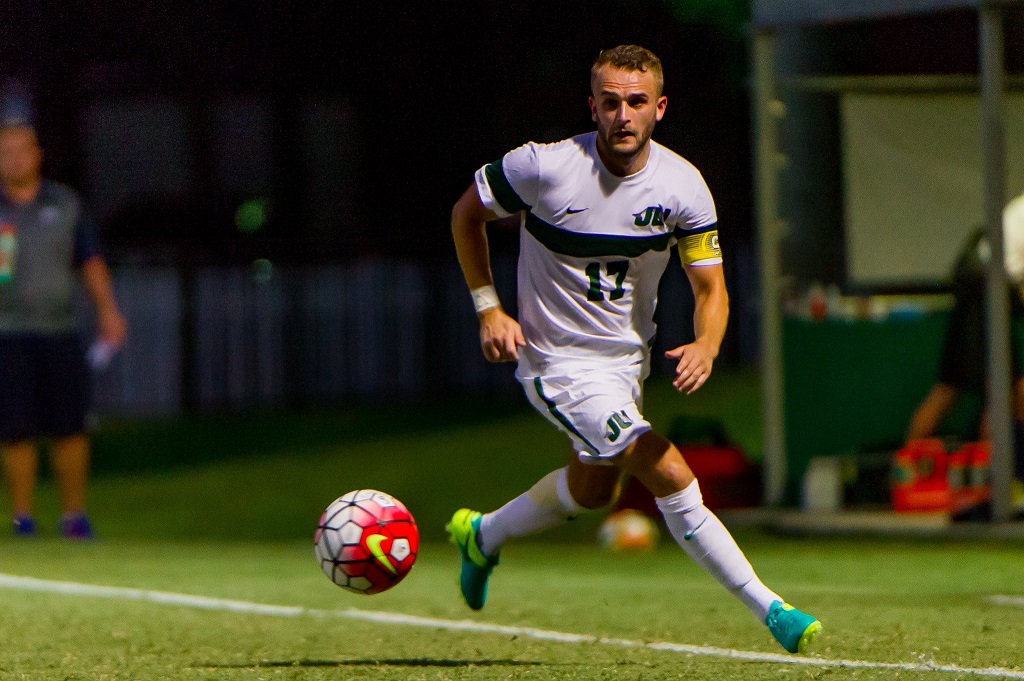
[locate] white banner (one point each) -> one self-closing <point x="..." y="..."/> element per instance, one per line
<point x="912" y="171"/>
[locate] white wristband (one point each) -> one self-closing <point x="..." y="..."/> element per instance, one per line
<point x="484" y="298"/>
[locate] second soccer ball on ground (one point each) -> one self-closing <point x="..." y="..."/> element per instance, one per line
<point x="629" y="530"/>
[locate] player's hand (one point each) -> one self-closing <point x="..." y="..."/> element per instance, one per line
<point x="693" y="367"/>
<point x="500" y="336"/>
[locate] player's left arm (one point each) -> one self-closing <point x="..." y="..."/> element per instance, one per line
<point x="710" y="317"/>
<point x="98" y="283"/>
<point x="111" y="327"/>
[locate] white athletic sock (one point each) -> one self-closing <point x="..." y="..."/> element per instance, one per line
<point x="704" y="538"/>
<point x="547" y="504"/>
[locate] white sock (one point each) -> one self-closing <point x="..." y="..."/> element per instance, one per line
<point x="547" y="504"/>
<point x="704" y="538"/>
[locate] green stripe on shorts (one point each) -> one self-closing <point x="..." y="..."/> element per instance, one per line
<point x="553" y="408"/>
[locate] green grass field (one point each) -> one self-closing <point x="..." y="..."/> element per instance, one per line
<point x="240" y="527"/>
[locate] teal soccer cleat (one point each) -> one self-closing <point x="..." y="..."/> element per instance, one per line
<point x="476" y="567"/>
<point x="794" y="630"/>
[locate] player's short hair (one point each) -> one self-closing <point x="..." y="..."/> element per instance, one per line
<point x="630" y="58"/>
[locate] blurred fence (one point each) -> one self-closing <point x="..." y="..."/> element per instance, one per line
<point x="233" y="338"/>
<point x="237" y="338"/>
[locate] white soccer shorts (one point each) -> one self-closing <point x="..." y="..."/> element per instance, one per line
<point x="599" y="410"/>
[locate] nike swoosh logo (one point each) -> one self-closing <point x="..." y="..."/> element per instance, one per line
<point x="373" y="543"/>
<point x="686" y="537"/>
<point x="573" y="211"/>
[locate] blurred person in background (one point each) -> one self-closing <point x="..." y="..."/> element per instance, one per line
<point x="599" y="213"/>
<point x="962" y="369"/>
<point x="45" y="241"/>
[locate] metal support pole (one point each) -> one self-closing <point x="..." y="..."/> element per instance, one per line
<point x="990" y="39"/>
<point x="767" y="111"/>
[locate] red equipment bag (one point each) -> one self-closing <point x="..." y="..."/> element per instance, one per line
<point x="971" y="487"/>
<point x="920" y="477"/>
<point x="727" y="478"/>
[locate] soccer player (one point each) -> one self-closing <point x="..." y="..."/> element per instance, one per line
<point x="599" y="213"/>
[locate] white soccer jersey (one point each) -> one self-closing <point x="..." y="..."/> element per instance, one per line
<point x="593" y="247"/>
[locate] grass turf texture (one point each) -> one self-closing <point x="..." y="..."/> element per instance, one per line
<point x="881" y="601"/>
<point x="241" y="528"/>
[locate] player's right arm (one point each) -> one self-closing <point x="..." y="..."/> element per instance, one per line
<point x="500" y="335"/>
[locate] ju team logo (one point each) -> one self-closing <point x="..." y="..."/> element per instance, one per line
<point x="655" y="216"/>
<point x="618" y="422"/>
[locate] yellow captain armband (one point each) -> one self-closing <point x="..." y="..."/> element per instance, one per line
<point x="700" y="248"/>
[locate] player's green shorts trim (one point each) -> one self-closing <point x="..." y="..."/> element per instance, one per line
<point x="559" y="416"/>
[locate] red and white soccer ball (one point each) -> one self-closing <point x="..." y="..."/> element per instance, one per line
<point x="366" y="541"/>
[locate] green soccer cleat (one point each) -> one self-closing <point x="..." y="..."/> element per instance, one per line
<point x="793" y="629"/>
<point x="476" y="567"/>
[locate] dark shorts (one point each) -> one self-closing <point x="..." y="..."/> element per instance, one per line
<point x="964" y="353"/>
<point x="44" y="386"/>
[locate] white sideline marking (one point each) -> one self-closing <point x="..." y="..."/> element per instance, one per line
<point x="223" y="604"/>
<point x="1007" y="600"/>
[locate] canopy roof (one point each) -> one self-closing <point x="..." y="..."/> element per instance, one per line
<point x="782" y="12"/>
